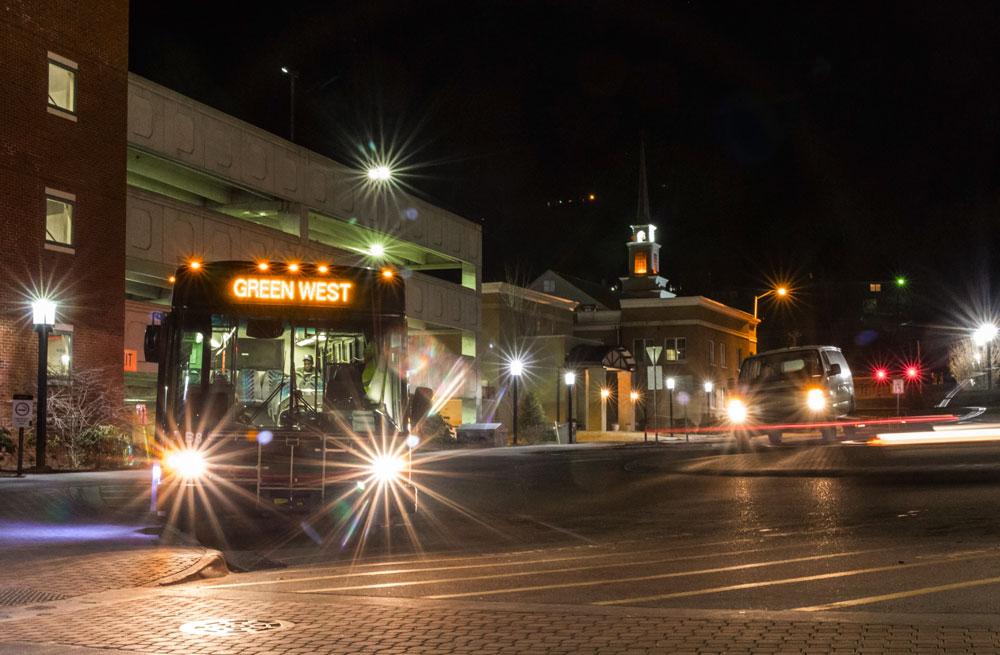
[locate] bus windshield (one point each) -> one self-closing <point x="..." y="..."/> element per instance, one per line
<point x="271" y="372"/>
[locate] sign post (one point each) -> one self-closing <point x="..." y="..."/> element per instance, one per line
<point x="654" y="380"/>
<point x="21" y="410"/>
<point x="898" y="389"/>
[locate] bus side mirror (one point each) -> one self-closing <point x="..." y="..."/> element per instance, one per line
<point x="151" y="343"/>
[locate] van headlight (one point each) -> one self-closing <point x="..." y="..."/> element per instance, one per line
<point x="815" y="400"/>
<point x="187" y="464"/>
<point x="737" y="411"/>
<point x="386" y="468"/>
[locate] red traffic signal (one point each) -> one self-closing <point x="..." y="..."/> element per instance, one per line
<point x="912" y="372"/>
<point x="880" y="374"/>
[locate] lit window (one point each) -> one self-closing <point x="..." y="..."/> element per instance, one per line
<point x="62" y="84"/>
<point x="675" y="349"/>
<point x="640" y="263"/>
<point x="60" y="354"/>
<point x="875" y="287"/>
<point x="59" y="221"/>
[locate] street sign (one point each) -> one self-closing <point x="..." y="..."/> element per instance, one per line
<point x="21" y="412"/>
<point x="654" y="354"/>
<point x="898" y="387"/>
<point x="654" y="378"/>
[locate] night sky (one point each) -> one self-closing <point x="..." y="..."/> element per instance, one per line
<point x="829" y="144"/>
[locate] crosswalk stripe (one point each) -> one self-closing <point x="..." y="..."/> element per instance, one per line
<point x="786" y="581"/>
<point x="642" y="578"/>
<point x="910" y="593"/>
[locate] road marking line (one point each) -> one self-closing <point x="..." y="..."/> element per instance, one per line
<point x="570" y="569"/>
<point x="335" y="576"/>
<point x="900" y="594"/>
<point x="655" y="576"/>
<point x="804" y="578"/>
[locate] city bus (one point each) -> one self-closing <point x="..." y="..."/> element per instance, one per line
<point x="279" y="379"/>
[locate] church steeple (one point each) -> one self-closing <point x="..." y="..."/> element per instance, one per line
<point x="643" y="279"/>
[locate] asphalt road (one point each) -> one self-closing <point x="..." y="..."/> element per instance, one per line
<point x="620" y="527"/>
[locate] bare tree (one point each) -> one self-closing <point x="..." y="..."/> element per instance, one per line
<point x="77" y="407"/>
<point x="966" y="360"/>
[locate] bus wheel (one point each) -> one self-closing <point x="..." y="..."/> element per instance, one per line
<point x="774" y="438"/>
<point x="828" y="435"/>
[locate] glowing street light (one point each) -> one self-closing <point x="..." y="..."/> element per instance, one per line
<point x="380" y="173"/>
<point x="605" y="394"/>
<point x="781" y="292"/>
<point x="376" y="250"/>
<point x="569" y="377"/>
<point x="671" y="385"/>
<point x="984" y="336"/>
<point x="516" y="368"/>
<point x="43" y="316"/>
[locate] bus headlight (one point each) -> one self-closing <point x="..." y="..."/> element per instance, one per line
<point x="815" y="400"/>
<point x="737" y="411"/>
<point x="187" y="464"/>
<point x="387" y="468"/>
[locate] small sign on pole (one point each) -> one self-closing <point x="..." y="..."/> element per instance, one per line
<point x="22" y="411"/>
<point x="654" y="378"/>
<point x="654" y="353"/>
<point x="898" y="387"/>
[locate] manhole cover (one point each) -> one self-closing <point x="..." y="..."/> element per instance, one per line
<point x="226" y="627"/>
<point x="11" y="596"/>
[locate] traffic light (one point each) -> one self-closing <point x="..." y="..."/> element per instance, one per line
<point x="880" y="374"/>
<point x="912" y="372"/>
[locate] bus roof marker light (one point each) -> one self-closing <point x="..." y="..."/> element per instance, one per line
<point x="323" y="269"/>
<point x="388" y="274"/>
<point x="194" y="265"/>
<point x="293" y="267"/>
<point x="263" y="266"/>
<point x="172" y="279"/>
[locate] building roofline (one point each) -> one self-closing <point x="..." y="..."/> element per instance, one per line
<point x="690" y="301"/>
<point x="527" y="294"/>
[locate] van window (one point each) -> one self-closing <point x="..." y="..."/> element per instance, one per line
<point x="781" y="367"/>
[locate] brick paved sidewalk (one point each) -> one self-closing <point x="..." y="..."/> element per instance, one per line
<point x="282" y="623"/>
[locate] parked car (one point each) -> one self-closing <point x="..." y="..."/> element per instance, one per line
<point x="791" y="388"/>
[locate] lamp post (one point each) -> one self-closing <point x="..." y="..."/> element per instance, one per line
<point x="781" y="292"/>
<point x="569" y="377"/>
<point x="709" y="387"/>
<point x="516" y="368"/>
<point x="671" y="383"/>
<point x="984" y="336"/>
<point x="605" y="394"/>
<point x="634" y="397"/>
<point x="292" y="76"/>
<point x="43" y="315"/>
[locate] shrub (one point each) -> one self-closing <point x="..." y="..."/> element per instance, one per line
<point x="103" y="445"/>
<point x="6" y="441"/>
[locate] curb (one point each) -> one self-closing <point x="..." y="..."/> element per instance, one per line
<point x="211" y="564"/>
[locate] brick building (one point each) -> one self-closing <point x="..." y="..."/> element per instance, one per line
<point x="63" y="89"/>
<point x="694" y="340"/>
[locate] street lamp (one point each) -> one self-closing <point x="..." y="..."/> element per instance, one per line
<point x="516" y="368"/>
<point x="984" y="336"/>
<point x="781" y="292"/>
<point x="569" y="377"/>
<point x="709" y="387"/>
<point x="671" y="383"/>
<point x="43" y="315"/>
<point x="605" y="394"/>
<point x="292" y="76"/>
<point x="634" y="397"/>
<point x="379" y="173"/>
